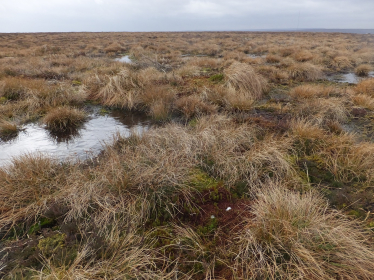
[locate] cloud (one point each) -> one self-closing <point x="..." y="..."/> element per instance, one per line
<point x="165" y="15"/>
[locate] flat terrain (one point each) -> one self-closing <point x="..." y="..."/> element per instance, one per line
<point x="259" y="163"/>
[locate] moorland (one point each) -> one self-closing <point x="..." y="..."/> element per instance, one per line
<point x="259" y="165"/>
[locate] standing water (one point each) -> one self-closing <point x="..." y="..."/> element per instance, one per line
<point x="350" y="78"/>
<point x="81" y="144"/>
<point x="124" y="59"/>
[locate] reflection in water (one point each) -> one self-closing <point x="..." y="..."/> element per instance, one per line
<point x="351" y="78"/>
<point x="85" y="142"/>
<point x="124" y="59"/>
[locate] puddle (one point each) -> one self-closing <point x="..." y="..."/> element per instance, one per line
<point x="124" y="59"/>
<point x="351" y="78"/>
<point x="252" y="55"/>
<point x="83" y="143"/>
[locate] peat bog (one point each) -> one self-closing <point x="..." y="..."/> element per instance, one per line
<point x="240" y="155"/>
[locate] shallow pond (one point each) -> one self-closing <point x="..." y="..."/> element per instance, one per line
<point x="253" y="55"/>
<point x="351" y="78"/>
<point x="124" y="59"/>
<point x="81" y="144"/>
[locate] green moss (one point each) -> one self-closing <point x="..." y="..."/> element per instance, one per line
<point x="48" y="246"/>
<point x="216" y="78"/>
<point x="42" y="223"/>
<point x="3" y="99"/>
<point x="201" y="180"/>
<point x="103" y="112"/>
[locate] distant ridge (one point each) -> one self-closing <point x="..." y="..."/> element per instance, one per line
<point x="327" y="30"/>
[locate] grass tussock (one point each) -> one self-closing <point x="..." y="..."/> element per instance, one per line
<point x="305" y="72"/>
<point x="62" y="119"/>
<point x="295" y="236"/>
<point x="363" y="70"/>
<point x="243" y="78"/>
<point x="233" y="180"/>
<point x="366" y="87"/>
<point x="8" y="129"/>
<point x="321" y="110"/>
<point x="311" y="91"/>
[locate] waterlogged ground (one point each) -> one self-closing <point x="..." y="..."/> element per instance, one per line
<point x="86" y="142"/>
<point x="124" y="59"/>
<point x="350" y="78"/>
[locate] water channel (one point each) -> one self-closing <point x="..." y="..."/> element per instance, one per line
<point x="86" y="142"/>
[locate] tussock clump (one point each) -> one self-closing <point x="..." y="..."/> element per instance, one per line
<point x="321" y="110"/>
<point x="366" y="87"/>
<point x="26" y="185"/>
<point x="311" y="91"/>
<point x="305" y="72"/>
<point x="193" y="105"/>
<point x="342" y="63"/>
<point x="286" y="51"/>
<point x="8" y="130"/>
<point x="364" y="100"/>
<point x="271" y="58"/>
<point x="12" y="89"/>
<point x="243" y="78"/>
<point x="189" y="71"/>
<point x="63" y="119"/>
<point x="303" y="56"/>
<point x="274" y="74"/>
<point x="363" y="70"/>
<point x="304" y="129"/>
<point x="295" y="236"/>
<point x="121" y="90"/>
<point x="348" y="160"/>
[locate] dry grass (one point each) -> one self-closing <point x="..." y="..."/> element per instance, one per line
<point x="243" y="78"/>
<point x="27" y="185"/>
<point x="295" y="236"/>
<point x="235" y="131"/>
<point x="311" y="91"/>
<point x="305" y="72"/>
<point x="62" y="119"/>
<point x="364" y="100"/>
<point x="366" y="87"/>
<point x="8" y="129"/>
<point x="321" y="110"/>
<point x="363" y="70"/>
<point x="193" y="105"/>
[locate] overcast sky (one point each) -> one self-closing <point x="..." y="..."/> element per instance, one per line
<point x="178" y="15"/>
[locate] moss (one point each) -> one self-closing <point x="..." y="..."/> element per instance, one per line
<point x="42" y="223"/>
<point x="103" y="112"/>
<point x="216" y="78"/>
<point x="3" y="99"/>
<point x="48" y="246"/>
<point x="208" y="228"/>
<point x="201" y="180"/>
<point x="239" y="190"/>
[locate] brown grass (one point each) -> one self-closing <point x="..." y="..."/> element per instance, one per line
<point x="305" y="72"/>
<point x="311" y="91"/>
<point x="235" y="131"/>
<point x="63" y="119"/>
<point x="294" y="236"/>
<point x="363" y="70"/>
<point x="7" y="129"/>
<point x="366" y="87"/>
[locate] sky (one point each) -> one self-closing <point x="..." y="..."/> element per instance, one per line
<point x="186" y="15"/>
